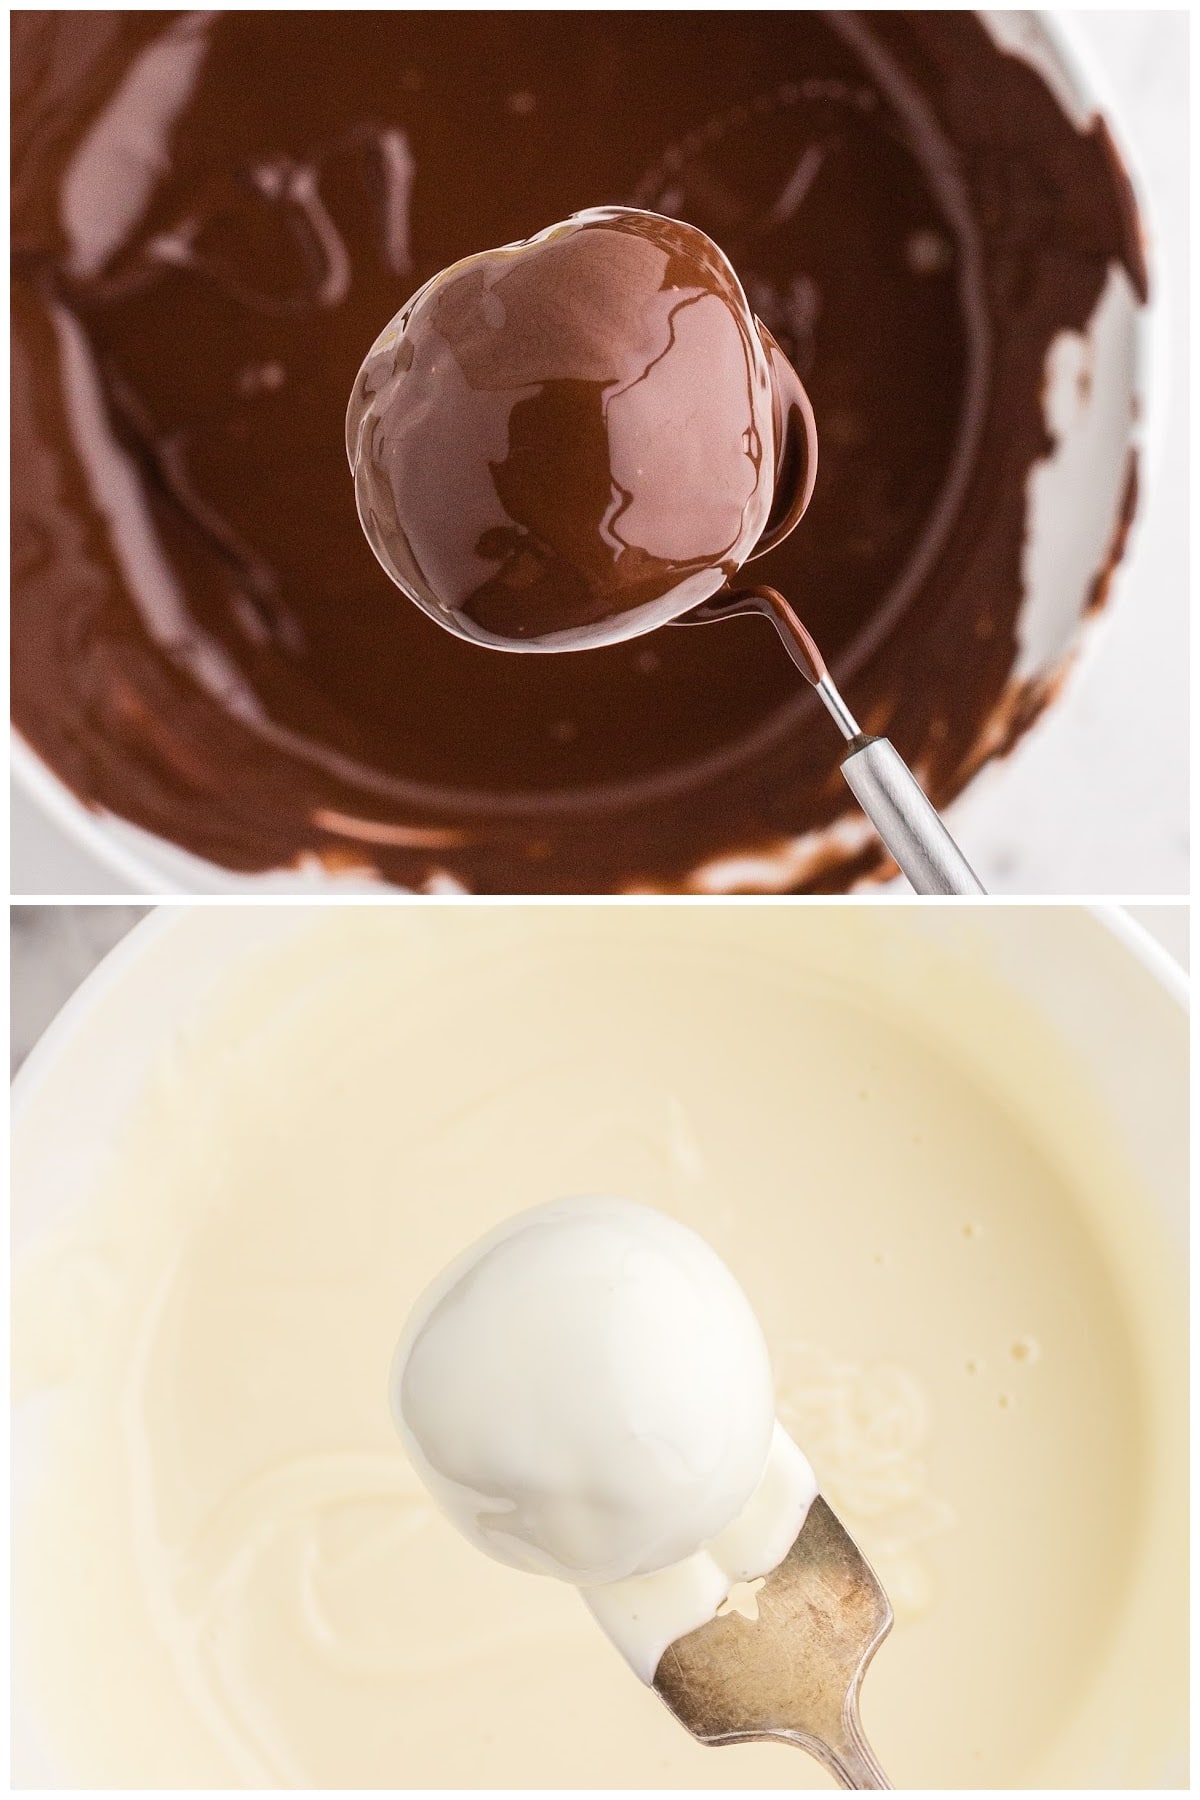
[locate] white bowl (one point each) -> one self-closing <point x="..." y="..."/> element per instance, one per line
<point x="1074" y="499"/>
<point x="1095" y="980"/>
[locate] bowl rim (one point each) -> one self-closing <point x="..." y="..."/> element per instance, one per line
<point x="1127" y="932"/>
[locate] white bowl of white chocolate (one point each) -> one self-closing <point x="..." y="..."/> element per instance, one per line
<point x="943" y="1156"/>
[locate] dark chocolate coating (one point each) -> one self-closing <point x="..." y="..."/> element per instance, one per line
<point x="572" y="440"/>
<point x="212" y="214"/>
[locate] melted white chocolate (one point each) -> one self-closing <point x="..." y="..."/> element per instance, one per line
<point x="586" y="1393"/>
<point x="228" y="1574"/>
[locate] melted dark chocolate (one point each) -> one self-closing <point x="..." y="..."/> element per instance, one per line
<point x="570" y="441"/>
<point x="212" y="214"/>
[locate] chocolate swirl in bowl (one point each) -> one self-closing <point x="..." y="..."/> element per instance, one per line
<point x="213" y="216"/>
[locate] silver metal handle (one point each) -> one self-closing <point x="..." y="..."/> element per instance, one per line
<point x="890" y="795"/>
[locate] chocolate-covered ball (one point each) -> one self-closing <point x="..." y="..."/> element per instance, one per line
<point x="574" y="439"/>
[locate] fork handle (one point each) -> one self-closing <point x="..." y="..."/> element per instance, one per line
<point x="844" y="1751"/>
<point x="852" y="1762"/>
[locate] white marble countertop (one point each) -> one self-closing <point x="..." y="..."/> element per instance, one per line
<point x="1094" y="802"/>
<point x="53" y="949"/>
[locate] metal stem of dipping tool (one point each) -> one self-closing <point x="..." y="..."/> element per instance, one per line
<point x="876" y="774"/>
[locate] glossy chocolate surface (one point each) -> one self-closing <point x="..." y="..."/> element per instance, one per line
<point x="572" y="440"/>
<point x="213" y="214"/>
